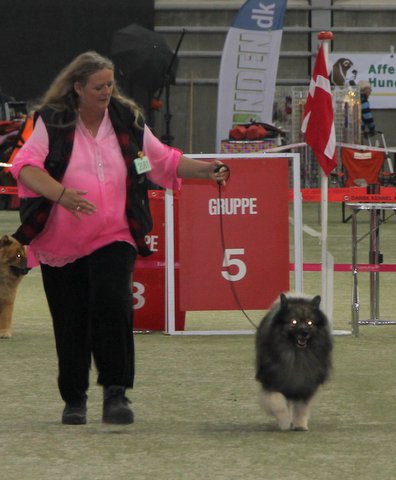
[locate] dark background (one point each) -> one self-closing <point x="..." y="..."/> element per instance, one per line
<point x="39" y="37"/>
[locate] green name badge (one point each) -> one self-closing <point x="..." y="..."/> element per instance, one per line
<point x="142" y="164"/>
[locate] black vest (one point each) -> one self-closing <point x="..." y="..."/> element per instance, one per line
<point x="34" y="212"/>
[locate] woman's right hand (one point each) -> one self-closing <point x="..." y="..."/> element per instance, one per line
<point x="43" y="184"/>
<point x="74" y="201"/>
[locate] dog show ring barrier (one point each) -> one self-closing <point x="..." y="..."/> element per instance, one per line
<point x="375" y="260"/>
<point x="359" y="199"/>
<point x="156" y="282"/>
<point x="234" y="240"/>
<point x="148" y="286"/>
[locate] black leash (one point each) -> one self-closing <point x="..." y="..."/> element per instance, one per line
<point x="223" y="246"/>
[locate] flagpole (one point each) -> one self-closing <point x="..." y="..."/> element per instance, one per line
<point x="318" y="127"/>
<point x="325" y="38"/>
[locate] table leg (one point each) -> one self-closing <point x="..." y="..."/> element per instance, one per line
<point x="355" y="287"/>
<point x="374" y="258"/>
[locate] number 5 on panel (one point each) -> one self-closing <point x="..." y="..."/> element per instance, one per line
<point x="228" y="261"/>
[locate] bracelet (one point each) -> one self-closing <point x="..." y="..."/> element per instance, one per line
<point x="61" y="195"/>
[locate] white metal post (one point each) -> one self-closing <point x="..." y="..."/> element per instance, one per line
<point x="170" y="323"/>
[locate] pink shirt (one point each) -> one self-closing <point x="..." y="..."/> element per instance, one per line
<point x="97" y="167"/>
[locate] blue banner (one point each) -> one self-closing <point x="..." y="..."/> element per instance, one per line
<point x="261" y="15"/>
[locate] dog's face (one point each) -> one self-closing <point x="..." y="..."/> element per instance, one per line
<point x="340" y="72"/>
<point x="344" y="63"/>
<point x="13" y="254"/>
<point x="300" y="319"/>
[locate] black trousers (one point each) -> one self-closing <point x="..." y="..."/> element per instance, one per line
<point x="90" y="301"/>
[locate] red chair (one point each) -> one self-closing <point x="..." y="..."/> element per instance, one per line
<point x="361" y="167"/>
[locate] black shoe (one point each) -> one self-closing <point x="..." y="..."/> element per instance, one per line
<point x="75" y="413"/>
<point x="115" y="406"/>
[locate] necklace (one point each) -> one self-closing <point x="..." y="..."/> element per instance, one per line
<point x="91" y="130"/>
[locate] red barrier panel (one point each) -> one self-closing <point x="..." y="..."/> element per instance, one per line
<point x="350" y="194"/>
<point x="149" y="274"/>
<point x="254" y="208"/>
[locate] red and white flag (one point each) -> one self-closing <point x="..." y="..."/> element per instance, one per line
<point x="318" y="121"/>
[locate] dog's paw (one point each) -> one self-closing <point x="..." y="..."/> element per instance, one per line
<point x="300" y="428"/>
<point x="5" y="335"/>
<point x="284" y="424"/>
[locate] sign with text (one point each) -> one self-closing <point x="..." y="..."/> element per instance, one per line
<point x="379" y="69"/>
<point x="234" y="240"/>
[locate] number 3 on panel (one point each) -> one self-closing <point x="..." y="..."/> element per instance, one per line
<point x="228" y="261"/>
<point x="138" y="291"/>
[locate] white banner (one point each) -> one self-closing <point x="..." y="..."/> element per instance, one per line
<point x="249" y="65"/>
<point x="379" y="69"/>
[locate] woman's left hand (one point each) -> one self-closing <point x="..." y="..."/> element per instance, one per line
<point x="219" y="172"/>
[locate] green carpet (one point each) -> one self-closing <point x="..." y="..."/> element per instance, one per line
<point x="196" y="401"/>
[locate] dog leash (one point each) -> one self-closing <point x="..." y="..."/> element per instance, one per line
<point x="223" y="246"/>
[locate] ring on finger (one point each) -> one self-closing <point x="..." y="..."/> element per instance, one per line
<point x="78" y="208"/>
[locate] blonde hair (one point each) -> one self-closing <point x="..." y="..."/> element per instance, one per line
<point x="61" y="95"/>
<point x="362" y="84"/>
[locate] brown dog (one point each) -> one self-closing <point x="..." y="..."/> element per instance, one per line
<point x="13" y="266"/>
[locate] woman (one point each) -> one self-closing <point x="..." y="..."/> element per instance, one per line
<point x="82" y="179"/>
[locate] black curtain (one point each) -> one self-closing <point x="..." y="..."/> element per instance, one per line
<point x="39" y="37"/>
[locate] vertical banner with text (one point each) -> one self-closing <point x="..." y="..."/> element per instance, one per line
<point x="249" y="65"/>
<point x="235" y="243"/>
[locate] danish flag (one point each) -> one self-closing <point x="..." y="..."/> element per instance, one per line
<point x="318" y="120"/>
